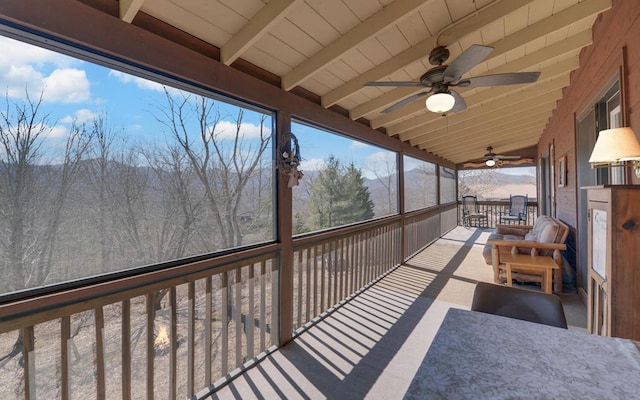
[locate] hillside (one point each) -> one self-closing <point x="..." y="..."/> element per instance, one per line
<point x="494" y="185"/>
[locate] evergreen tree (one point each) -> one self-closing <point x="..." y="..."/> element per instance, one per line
<point x="358" y="205"/>
<point x="339" y="196"/>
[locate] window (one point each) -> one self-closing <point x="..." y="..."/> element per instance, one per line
<point x="345" y="181"/>
<point x="447" y="185"/>
<point x="102" y="171"/>
<point x="420" y="184"/>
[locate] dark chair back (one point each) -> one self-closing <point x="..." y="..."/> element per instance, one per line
<point x="517" y="303"/>
<point x="471" y="211"/>
<point x="470" y="204"/>
<point x="517" y="209"/>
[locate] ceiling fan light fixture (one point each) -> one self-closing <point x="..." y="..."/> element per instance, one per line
<point x="490" y="162"/>
<point x="440" y="102"/>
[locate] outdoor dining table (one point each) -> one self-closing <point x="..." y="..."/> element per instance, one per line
<point x="482" y="356"/>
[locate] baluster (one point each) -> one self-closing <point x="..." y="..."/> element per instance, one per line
<point x="308" y="299"/>
<point x="191" y="333"/>
<point x="65" y="336"/>
<point x="173" y="342"/>
<point x="100" y="378"/>
<point x="299" y="303"/>
<point x="126" y="349"/>
<point x="208" y="331"/>
<point x="263" y="304"/>
<point x="224" y="335"/>
<point x="150" y="350"/>
<point x="250" y="319"/>
<point x="237" y="303"/>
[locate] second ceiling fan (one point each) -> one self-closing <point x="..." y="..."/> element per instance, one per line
<point x="441" y="77"/>
<point x="492" y="159"/>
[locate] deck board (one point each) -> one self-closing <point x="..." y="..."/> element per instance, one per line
<point x="372" y="346"/>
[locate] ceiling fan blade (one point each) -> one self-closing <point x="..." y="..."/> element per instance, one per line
<point x="520" y="162"/>
<point x="513" y="78"/>
<point x="390" y="83"/>
<point x="406" y="101"/>
<point x="465" y="61"/>
<point x="501" y="157"/>
<point x="460" y="104"/>
<point x="474" y="165"/>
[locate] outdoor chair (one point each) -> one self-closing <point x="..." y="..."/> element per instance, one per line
<point x="527" y="305"/>
<point x="517" y="210"/>
<point x="471" y="212"/>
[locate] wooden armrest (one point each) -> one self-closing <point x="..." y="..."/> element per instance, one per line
<point x="527" y="244"/>
<point x="527" y="227"/>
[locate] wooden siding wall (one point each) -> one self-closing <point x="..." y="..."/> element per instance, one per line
<point x="615" y="49"/>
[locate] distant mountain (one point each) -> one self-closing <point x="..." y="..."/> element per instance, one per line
<point x="493" y="185"/>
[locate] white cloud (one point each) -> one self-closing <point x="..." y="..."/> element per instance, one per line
<point x="355" y="145"/>
<point x="19" y="53"/>
<point x="412" y="163"/>
<point x="21" y="62"/>
<point x="82" y="115"/>
<point x="315" y="164"/>
<point x="227" y="130"/>
<point x="141" y="83"/>
<point x="379" y="164"/>
<point x="56" y="132"/>
<point x="67" y="86"/>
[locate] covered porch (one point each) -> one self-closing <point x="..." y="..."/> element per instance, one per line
<point x="372" y="344"/>
<point x="273" y="300"/>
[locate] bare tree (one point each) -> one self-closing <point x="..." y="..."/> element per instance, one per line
<point x="386" y="174"/>
<point x="33" y="195"/>
<point x="98" y="177"/>
<point x="179" y="207"/>
<point x="223" y="161"/>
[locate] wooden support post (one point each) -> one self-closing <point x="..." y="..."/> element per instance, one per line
<point x="285" y="236"/>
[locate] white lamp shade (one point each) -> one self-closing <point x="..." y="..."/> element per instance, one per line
<point x="613" y="145"/>
<point x="490" y="163"/>
<point x="440" y="102"/>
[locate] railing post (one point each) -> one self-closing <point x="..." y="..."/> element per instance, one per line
<point x="284" y="235"/>
<point x="403" y="234"/>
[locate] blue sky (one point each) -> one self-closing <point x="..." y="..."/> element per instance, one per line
<point x="77" y="90"/>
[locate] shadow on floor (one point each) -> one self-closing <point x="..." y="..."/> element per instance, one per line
<point x="372" y="346"/>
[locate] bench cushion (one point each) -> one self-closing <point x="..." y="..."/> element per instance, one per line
<point x="545" y="230"/>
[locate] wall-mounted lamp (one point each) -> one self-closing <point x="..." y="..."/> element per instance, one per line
<point x="440" y="102"/>
<point x="615" y="147"/>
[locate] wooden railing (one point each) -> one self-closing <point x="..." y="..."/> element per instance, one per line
<point x="185" y="330"/>
<point x="494" y="209"/>
<point x="328" y="268"/>
<point x="421" y="228"/>
<point x="169" y="334"/>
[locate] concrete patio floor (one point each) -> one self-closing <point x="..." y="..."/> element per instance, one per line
<point x="372" y="346"/>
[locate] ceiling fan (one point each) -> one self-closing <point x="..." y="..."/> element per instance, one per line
<point x="441" y="77"/>
<point x="492" y="159"/>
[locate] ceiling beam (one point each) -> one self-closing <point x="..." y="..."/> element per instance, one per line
<point x="129" y="9"/>
<point x="491" y="132"/>
<point x="523" y="95"/>
<point x="272" y="13"/>
<point x="546" y="75"/>
<point x="437" y="140"/>
<point x="420" y="50"/>
<point x="570" y="44"/>
<point x="376" y="23"/>
<point x="524" y="137"/>
<point x="545" y="27"/>
<point x="490" y="119"/>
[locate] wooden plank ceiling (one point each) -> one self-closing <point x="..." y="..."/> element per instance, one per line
<point x="333" y="47"/>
